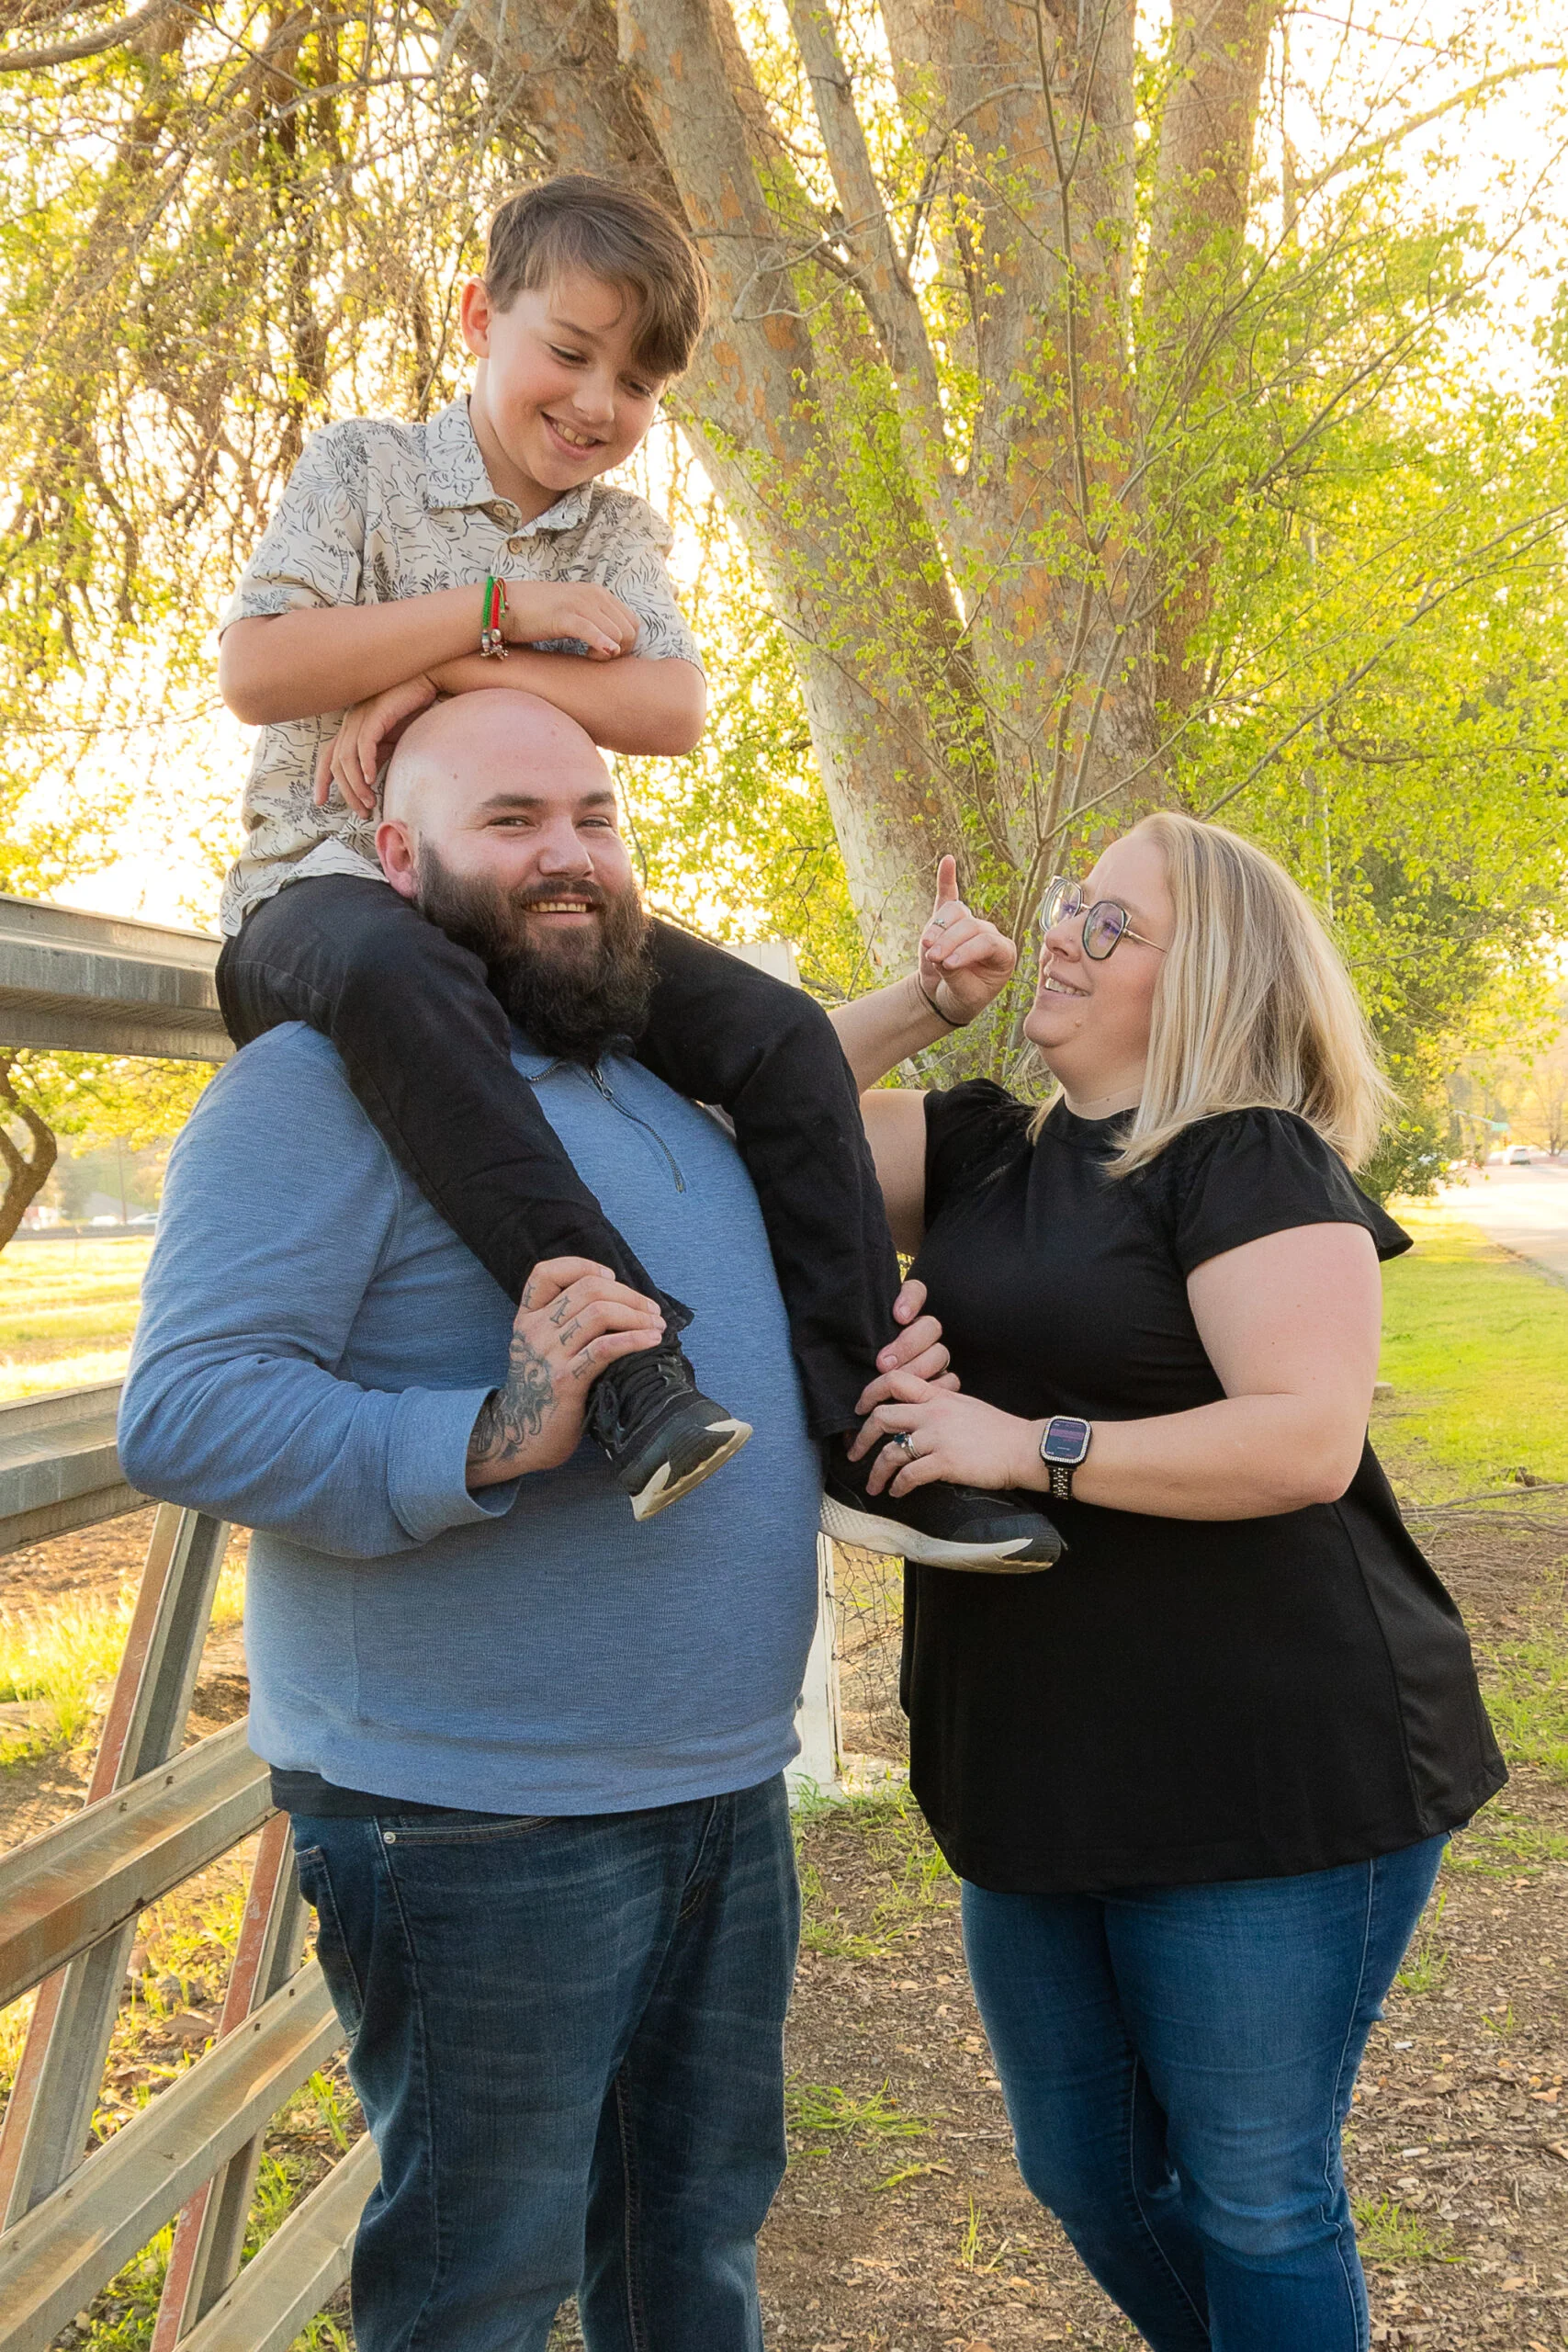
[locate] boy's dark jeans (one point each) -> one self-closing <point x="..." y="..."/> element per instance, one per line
<point x="427" y="1049"/>
<point x="567" y="2038"/>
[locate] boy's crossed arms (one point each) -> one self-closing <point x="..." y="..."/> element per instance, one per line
<point x="558" y="397"/>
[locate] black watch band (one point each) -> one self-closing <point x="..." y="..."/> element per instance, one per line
<point x="1063" y="1445"/>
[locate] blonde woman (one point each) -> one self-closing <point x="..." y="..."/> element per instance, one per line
<point x="1197" y="1779"/>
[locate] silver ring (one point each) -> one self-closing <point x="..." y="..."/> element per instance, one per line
<point x="906" y="1437"/>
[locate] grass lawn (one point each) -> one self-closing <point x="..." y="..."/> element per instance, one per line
<point x="67" y="1310"/>
<point x="1475" y="1344"/>
<point x="60" y="1661"/>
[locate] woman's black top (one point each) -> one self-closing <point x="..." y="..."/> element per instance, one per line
<point x="1177" y="1700"/>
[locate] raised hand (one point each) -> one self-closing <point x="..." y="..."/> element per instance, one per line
<point x="965" y="962"/>
<point x="574" y="1320"/>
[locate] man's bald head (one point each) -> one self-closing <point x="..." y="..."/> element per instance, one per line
<point x="499" y="824"/>
<point x="463" y="752"/>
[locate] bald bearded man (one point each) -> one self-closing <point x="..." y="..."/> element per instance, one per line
<point x="420" y="1021"/>
<point x="533" y="1750"/>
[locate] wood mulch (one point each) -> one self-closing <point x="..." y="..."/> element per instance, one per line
<point x="902" y="2225"/>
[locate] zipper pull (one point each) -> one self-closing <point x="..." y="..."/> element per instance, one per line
<point x="637" y="1120"/>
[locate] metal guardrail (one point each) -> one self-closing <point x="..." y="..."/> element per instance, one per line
<point x="70" y="2243"/>
<point x="296" y="2271"/>
<point x="101" y="984"/>
<point x="72" y="2213"/>
<point x="59" y="1466"/>
<point x="62" y="1892"/>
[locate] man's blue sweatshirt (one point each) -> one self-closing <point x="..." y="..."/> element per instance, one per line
<point x="313" y="1347"/>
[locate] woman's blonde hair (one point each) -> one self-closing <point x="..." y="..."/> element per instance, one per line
<point x="1253" y="1008"/>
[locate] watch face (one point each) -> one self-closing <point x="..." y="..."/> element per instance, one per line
<point x="1065" y="1440"/>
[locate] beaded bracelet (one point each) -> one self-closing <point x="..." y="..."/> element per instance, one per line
<point x="492" y="644"/>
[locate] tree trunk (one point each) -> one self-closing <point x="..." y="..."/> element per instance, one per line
<point x="26" y="1172"/>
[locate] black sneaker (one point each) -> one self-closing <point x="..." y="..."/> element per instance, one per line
<point x="662" y="1435"/>
<point x="939" y="1525"/>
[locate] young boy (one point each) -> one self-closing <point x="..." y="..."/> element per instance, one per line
<point x="404" y="562"/>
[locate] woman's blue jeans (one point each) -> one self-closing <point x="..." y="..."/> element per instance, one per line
<point x="1177" y="2063"/>
<point x="567" y="2036"/>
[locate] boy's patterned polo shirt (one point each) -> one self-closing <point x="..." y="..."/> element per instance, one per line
<point x="376" y="510"/>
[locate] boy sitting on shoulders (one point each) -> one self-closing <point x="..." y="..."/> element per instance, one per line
<point x="481" y="548"/>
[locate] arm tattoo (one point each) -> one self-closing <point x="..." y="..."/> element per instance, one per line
<point x="511" y="1415"/>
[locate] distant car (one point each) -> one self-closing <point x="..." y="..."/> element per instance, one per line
<point x="148" y="1216"/>
<point x="1520" y="1156"/>
<point x="104" y="1220"/>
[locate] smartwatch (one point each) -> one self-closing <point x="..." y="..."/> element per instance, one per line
<point x="1062" y="1448"/>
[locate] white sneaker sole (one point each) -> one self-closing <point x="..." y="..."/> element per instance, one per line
<point x="663" y="1488"/>
<point x="889" y="1537"/>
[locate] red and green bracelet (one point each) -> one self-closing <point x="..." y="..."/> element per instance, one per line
<point x="492" y="644"/>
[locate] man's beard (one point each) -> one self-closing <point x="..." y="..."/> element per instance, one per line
<point x="574" y="993"/>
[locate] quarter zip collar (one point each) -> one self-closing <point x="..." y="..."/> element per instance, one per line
<point x="536" y="1067"/>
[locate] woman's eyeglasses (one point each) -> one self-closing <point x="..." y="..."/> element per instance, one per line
<point x="1104" y="924"/>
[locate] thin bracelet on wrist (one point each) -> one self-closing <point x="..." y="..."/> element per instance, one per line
<point x="492" y="643"/>
<point x="927" y="998"/>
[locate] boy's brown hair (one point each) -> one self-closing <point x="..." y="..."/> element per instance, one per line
<point x="579" y="222"/>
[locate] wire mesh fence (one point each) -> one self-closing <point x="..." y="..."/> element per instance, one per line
<point x="868" y="1612"/>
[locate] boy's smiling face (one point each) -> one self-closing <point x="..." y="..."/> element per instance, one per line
<point x="558" y="397"/>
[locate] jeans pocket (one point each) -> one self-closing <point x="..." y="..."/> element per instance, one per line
<point x="461" y="1829"/>
<point x="332" y="1945"/>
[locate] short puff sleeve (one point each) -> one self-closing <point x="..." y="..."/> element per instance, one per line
<point x="1242" y="1174"/>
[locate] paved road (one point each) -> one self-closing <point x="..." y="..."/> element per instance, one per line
<point x="1524" y="1208"/>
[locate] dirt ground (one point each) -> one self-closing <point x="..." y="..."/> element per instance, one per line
<point x="902" y="2225"/>
<point x="1459" y="2131"/>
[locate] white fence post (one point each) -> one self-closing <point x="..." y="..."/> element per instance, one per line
<point x="817" y="1719"/>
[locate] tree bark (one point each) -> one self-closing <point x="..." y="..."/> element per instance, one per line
<point x="122" y="34"/>
<point x="1195" y="258"/>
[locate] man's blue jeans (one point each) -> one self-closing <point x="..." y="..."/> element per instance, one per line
<point x="568" y="2037"/>
<point x="1177" y="2063"/>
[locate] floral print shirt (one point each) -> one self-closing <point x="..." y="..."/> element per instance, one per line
<point x="375" y="510"/>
